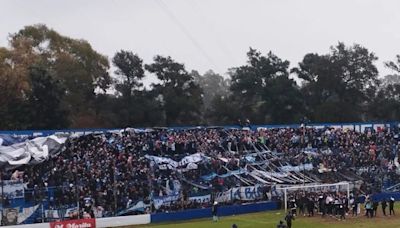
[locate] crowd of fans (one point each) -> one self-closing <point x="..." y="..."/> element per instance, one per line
<point x="111" y="171"/>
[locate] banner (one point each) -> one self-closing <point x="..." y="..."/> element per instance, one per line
<point x="61" y="213"/>
<point x="10" y="216"/>
<point x="51" y="214"/>
<point x="312" y="188"/>
<point x="13" y="189"/>
<point x="200" y="199"/>
<point x="70" y="212"/>
<point x="165" y="200"/>
<point x="168" y="163"/>
<point x="79" y="223"/>
<point x="269" y="175"/>
<point x="230" y="173"/>
<point x="139" y="206"/>
<point x="7" y="140"/>
<point x="32" y="151"/>
<point x="300" y="168"/>
<point x="224" y="197"/>
<point x="26" y="213"/>
<point x="249" y="193"/>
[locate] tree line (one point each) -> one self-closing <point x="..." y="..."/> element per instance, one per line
<point x="50" y="81"/>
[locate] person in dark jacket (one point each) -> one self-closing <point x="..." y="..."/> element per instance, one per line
<point x="214" y="211"/>
<point x="384" y="205"/>
<point x="342" y="210"/>
<point x="310" y="207"/>
<point x="234" y="226"/>
<point x="375" y="205"/>
<point x="391" y="206"/>
<point x="289" y="217"/>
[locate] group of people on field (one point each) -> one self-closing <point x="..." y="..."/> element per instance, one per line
<point x="334" y="204"/>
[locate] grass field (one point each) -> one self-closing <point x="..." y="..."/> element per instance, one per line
<point x="271" y="219"/>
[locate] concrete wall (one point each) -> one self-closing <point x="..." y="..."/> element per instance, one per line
<point x="123" y="221"/>
<point x="102" y="222"/>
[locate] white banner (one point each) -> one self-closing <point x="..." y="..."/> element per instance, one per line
<point x="300" y="168"/>
<point x="314" y="187"/>
<point x="250" y="193"/>
<point x="13" y="189"/>
<point x="168" y="163"/>
<point x="51" y="214"/>
<point x="32" y="151"/>
<point x="165" y="200"/>
<point x="26" y="213"/>
<point x="200" y="199"/>
<point x="224" y="197"/>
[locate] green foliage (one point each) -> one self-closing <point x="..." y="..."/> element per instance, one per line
<point x="213" y="85"/>
<point x="179" y="95"/>
<point x="394" y="65"/>
<point x="336" y="85"/>
<point x="263" y="92"/>
<point x="44" y="100"/>
<point x="74" y="63"/>
<point x="48" y="80"/>
<point x="131" y="72"/>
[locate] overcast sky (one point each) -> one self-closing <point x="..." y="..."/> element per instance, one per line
<point x="214" y="34"/>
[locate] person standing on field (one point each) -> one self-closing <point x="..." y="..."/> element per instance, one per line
<point x="384" y="205"/>
<point x="289" y="217"/>
<point x="214" y="211"/>
<point x="375" y="205"/>
<point x="391" y="206"/>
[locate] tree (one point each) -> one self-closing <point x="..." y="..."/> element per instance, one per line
<point x="391" y="79"/>
<point x="14" y="85"/>
<point x="177" y="91"/>
<point x="214" y="86"/>
<point x="130" y="71"/>
<point x="337" y="85"/>
<point x="45" y="110"/>
<point x="79" y="68"/>
<point x="263" y="91"/>
<point x="385" y="105"/>
<point x="394" y="65"/>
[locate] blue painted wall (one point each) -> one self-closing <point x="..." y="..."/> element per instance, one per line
<point x="222" y="211"/>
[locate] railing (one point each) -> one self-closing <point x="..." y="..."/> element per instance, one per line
<point x="357" y="126"/>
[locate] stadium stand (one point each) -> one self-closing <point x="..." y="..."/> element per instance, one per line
<point x="142" y="171"/>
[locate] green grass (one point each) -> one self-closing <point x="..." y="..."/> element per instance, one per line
<point x="270" y="220"/>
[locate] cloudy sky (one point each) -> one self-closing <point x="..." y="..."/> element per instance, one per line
<point x="214" y="34"/>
